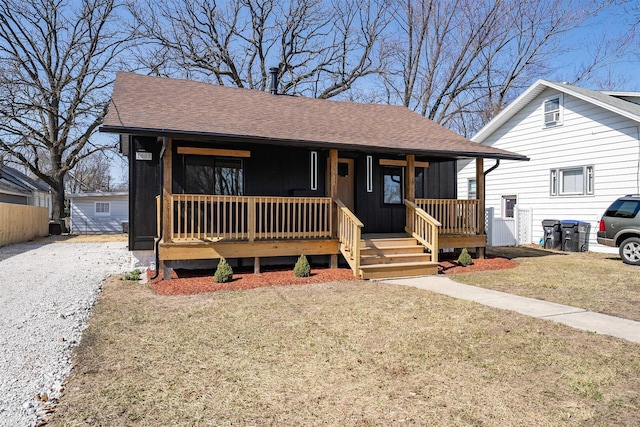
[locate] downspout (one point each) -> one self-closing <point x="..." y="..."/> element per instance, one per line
<point x="157" y="242"/>
<point x="492" y="168"/>
<point x="484" y="196"/>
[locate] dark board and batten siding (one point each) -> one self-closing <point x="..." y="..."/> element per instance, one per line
<point x="439" y="181"/>
<point x="284" y="171"/>
<point x="269" y="171"/>
<point x="144" y="186"/>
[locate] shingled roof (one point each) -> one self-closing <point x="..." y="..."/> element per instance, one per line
<point x="173" y="107"/>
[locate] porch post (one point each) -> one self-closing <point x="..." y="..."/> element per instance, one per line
<point x="481" y="201"/>
<point x="167" y="225"/>
<point x="333" y="193"/>
<point x="410" y="187"/>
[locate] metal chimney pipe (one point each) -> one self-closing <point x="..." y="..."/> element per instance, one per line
<point x="274" y="80"/>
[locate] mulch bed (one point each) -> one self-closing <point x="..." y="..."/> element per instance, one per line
<point x="191" y="282"/>
<point x="450" y="266"/>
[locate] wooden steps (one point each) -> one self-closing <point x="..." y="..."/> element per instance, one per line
<point x="387" y="257"/>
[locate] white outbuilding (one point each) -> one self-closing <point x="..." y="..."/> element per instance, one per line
<point x="99" y="212"/>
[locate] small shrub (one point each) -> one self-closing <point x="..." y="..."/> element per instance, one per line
<point x="302" y="267"/>
<point x="465" y="259"/>
<point x="224" y="272"/>
<point x="133" y="275"/>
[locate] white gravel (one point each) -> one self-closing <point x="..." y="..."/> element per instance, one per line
<point x="47" y="291"/>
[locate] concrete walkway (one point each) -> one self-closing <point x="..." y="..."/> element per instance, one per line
<point x="571" y="316"/>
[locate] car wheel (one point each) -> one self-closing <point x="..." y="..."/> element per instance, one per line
<point x="630" y="251"/>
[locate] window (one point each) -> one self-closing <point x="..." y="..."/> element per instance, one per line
<point x="213" y="175"/>
<point x="508" y="205"/>
<point x="314" y="170"/>
<point x="623" y="209"/>
<point x="575" y="181"/>
<point x="392" y="179"/>
<point x="471" y="189"/>
<point x="554" y="182"/>
<point x="369" y="174"/>
<point x="553" y="111"/>
<point x="103" y="208"/>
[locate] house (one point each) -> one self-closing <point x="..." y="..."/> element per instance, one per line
<point x="99" y="212"/>
<point x="584" y="152"/>
<point x="18" y="188"/>
<point x="243" y="174"/>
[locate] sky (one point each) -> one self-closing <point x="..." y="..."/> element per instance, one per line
<point x="614" y="24"/>
<point x="620" y="74"/>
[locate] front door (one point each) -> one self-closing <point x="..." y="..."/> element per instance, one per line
<point x="346" y="183"/>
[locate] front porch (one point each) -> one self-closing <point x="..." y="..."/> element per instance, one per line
<point x="212" y="226"/>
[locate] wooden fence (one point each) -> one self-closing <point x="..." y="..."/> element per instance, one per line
<point x="21" y="223"/>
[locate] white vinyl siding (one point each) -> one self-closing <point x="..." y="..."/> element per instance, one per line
<point x="589" y="136"/>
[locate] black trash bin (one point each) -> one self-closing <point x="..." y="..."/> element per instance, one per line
<point x="570" y="235"/>
<point x="583" y="236"/>
<point x="552" y="234"/>
<point x="55" y="228"/>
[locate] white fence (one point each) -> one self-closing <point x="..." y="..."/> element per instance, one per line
<point x="509" y="231"/>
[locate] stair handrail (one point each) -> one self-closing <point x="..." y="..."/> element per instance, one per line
<point x="423" y="227"/>
<point x="349" y="235"/>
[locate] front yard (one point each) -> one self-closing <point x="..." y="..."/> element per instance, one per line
<point x="343" y="353"/>
<point x="593" y="281"/>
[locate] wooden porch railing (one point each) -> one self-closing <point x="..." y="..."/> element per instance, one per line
<point x="212" y="218"/>
<point x="423" y="227"/>
<point x="456" y="216"/>
<point x="349" y="234"/>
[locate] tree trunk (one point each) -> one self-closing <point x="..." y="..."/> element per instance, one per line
<point x="57" y="196"/>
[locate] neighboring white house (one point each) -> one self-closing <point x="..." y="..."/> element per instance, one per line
<point x="584" y="150"/>
<point x="99" y="212"/>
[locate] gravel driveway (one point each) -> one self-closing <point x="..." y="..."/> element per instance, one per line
<point x="47" y="290"/>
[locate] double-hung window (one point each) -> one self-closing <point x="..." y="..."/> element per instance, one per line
<point x="472" y="192"/>
<point x="508" y="206"/>
<point x="553" y="111"/>
<point x="393" y="185"/>
<point x="213" y="175"/>
<point x="103" y="209"/>
<point x="572" y="181"/>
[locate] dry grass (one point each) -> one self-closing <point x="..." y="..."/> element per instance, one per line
<point x="344" y="354"/>
<point x="87" y="238"/>
<point x="593" y="281"/>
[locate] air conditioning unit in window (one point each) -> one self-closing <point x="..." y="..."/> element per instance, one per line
<point x="552" y="119"/>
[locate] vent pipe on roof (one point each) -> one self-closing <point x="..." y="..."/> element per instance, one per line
<point x="274" y="80"/>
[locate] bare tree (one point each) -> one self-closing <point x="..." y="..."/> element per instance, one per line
<point x="322" y="48"/>
<point x="90" y="174"/>
<point x="57" y="61"/>
<point x="459" y="62"/>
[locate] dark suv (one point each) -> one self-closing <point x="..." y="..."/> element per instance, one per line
<point x="620" y="227"/>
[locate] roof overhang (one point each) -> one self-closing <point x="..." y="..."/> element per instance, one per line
<point x="200" y="136"/>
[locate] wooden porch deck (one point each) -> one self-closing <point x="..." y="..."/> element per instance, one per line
<point x="213" y="227"/>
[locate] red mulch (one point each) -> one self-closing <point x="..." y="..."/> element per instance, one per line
<point x="489" y="263"/>
<point x="191" y="282"/>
